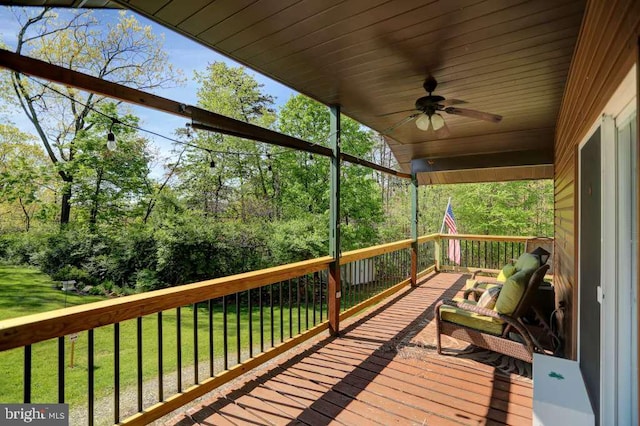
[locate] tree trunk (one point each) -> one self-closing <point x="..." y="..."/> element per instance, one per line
<point x="27" y="219"/>
<point x="65" y="206"/>
<point x="94" y="207"/>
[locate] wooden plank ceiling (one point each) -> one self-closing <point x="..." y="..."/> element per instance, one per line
<point x="508" y="57"/>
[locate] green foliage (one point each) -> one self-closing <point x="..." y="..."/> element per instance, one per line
<point x="124" y="52"/>
<point x="304" y="186"/>
<point x="498" y="208"/>
<point x="68" y="272"/>
<point x="299" y="239"/>
<point x="107" y="184"/>
<point x="26" y="179"/>
<point x="192" y="249"/>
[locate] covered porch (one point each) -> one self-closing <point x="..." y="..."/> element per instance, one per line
<point x="553" y="70"/>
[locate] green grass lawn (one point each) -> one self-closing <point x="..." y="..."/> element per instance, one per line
<point x="25" y="291"/>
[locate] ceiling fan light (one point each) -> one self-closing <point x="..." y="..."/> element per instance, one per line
<point x="437" y="121"/>
<point x="423" y="122"/>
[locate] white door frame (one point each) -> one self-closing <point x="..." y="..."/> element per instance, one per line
<point x="618" y="355"/>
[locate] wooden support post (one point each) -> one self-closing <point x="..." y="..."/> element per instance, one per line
<point x="437" y="243"/>
<point x="414" y="230"/>
<point x="334" y="226"/>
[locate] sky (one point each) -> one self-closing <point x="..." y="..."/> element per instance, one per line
<point x="183" y="53"/>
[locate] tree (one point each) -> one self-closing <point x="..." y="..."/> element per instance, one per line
<point x="109" y="184"/>
<point x="304" y="178"/>
<point x="493" y="208"/>
<point x="239" y="183"/>
<point x="26" y="178"/>
<point x="124" y="52"/>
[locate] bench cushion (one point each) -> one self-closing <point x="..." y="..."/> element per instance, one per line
<point x="471" y="320"/>
<point x="506" y="272"/>
<point x="527" y="261"/>
<point x="512" y="291"/>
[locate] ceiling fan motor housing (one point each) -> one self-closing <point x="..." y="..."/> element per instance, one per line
<point x="429" y="104"/>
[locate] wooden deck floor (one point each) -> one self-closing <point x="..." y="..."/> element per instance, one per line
<point x="382" y="370"/>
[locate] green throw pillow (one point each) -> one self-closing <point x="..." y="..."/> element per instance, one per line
<point x="506" y="272"/>
<point x="489" y="297"/>
<point x="527" y="261"/>
<point x="512" y="292"/>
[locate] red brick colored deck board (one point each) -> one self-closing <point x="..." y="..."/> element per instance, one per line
<point x="363" y="377"/>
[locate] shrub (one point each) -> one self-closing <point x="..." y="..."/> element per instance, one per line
<point x="68" y="273"/>
<point x="299" y="239"/>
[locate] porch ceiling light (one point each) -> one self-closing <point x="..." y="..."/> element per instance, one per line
<point x="437" y="121"/>
<point x="423" y="122"/>
<point x="541" y="254"/>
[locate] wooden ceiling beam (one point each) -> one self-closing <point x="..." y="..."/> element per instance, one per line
<point x="202" y="118"/>
<point x="484" y="161"/>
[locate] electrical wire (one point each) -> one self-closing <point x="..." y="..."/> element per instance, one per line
<point x="115" y="120"/>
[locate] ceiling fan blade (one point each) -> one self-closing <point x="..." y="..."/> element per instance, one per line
<point x="450" y="102"/>
<point x="400" y="123"/>
<point x="494" y="118"/>
<point x="395" y="112"/>
<point x="443" y="131"/>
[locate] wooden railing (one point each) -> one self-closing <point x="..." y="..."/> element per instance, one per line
<point x="206" y="333"/>
<point x="177" y="344"/>
<point x="487" y="252"/>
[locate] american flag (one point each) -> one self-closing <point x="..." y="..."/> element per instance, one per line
<point x="454" y="245"/>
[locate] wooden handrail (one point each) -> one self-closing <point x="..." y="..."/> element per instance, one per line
<point x="26" y="330"/>
<point x="365" y="253"/>
<point x="501" y="238"/>
<point x="427" y="238"/>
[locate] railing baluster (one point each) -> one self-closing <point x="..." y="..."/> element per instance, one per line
<point x="160" y="361"/>
<point x="298" y="301"/>
<point x="211" y="353"/>
<point x="61" y="369"/>
<point x="321" y="295"/>
<point x="485" y="254"/>
<point x="250" y="309"/>
<point x="116" y="373"/>
<point x="504" y="258"/>
<point x="260" y="290"/>
<point x="344" y="276"/>
<point x="179" y="348"/>
<point x="238" y="342"/>
<point x="281" y="312"/>
<point x="195" y="344"/>
<point x="313" y="297"/>
<point x="139" y="359"/>
<point x="306" y="301"/>
<point x="271" y="323"/>
<point x="27" y="375"/>
<point x="290" y="308"/>
<point x="225" y="334"/>
<point x="91" y="377"/>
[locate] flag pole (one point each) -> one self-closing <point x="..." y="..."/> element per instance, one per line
<point x="445" y="215"/>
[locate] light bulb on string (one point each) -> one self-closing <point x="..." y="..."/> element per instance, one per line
<point x="111" y="138"/>
<point x="212" y="165"/>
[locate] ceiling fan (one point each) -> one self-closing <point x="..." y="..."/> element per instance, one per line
<point x="430" y="106"/>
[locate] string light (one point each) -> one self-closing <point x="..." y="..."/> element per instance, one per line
<point x="111" y="138"/>
<point x="112" y="144"/>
